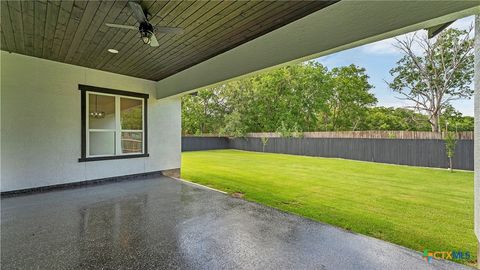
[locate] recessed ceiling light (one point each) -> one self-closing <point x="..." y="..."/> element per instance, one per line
<point x="112" y="51"/>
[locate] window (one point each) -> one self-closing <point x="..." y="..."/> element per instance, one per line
<point x="114" y="124"/>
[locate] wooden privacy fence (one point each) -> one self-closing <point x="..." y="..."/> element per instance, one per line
<point x="414" y="152"/>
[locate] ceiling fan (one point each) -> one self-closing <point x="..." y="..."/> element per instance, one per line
<point x="146" y="29"/>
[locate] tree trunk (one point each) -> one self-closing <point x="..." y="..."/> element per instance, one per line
<point x="435" y="123"/>
<point x="450" y="163"/>
<point x="439" y="128"/>
<point x="204" y="116"/>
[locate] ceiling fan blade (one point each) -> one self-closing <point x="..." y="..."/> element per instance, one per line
<point x="137" y="11"/>
<point x="168" y="30"/>
<point x="154" y="41"/>
<point x="121" y="26"/>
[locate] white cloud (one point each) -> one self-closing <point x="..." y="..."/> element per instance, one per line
<point x="396" y="104"/>
<point x="463" y="23"/>
<point x="381" y="47"/>
<point x="387" y="46"/>
<point x="465" y="106"/>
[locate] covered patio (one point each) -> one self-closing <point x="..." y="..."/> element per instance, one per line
<point x="90" y="93"/>
<point x="163" y="223"/>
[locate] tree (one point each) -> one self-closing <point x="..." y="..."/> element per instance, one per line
<point x="203" y="112"/>
<point x="440" y="73"/>
<point x="350" y="98"/>
<point x="382" y="118"/>
<point x="239" y="111"/>
<point x="300" y="98"/>
<point x="455" y="120"/>
<point x="290" y="98"/>
<point x="264" y="143"/>
<point x="450" y="143"/>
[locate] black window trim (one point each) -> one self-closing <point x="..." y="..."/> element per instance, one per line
<point x="83" y="97"/>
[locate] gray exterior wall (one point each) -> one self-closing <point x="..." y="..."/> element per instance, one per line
<point x="414" y="152"/>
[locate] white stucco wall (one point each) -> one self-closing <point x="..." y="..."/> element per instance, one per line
<point x="476" y="152"/>
<point x="41" y="129"/>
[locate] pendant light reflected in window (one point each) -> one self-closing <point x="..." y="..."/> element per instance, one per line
<point x="97" y="114"/>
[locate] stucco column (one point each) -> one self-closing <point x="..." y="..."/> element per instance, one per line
<point x="476" y="153"/>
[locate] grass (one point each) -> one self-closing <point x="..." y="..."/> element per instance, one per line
<point x="419" y="208"/>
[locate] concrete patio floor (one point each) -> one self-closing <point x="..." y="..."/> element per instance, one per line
<point x="162" y="223"/>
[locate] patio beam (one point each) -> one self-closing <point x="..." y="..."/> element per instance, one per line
<point x="341" y="26"/>
<point x="437" y="29"/>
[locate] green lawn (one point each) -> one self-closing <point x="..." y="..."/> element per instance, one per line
<point x="419" y="208"/>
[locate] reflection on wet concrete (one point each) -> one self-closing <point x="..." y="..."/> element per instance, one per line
<point x="111" y="227"/>
<point x="160" y="223"/>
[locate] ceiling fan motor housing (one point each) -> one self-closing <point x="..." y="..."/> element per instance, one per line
<point x="146" y="32"/>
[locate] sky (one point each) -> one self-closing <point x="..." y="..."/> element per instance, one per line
<point x="378" y="58"/>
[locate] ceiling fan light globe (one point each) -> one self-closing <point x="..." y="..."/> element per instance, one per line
<point x="146" y="40"/>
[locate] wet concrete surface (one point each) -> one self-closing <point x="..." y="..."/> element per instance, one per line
<point x="161" y="223"/>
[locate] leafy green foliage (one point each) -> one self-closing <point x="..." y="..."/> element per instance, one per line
<point x="302" y="98"/>
<point x="289" y="100"/>
<point x="349" y="100"/>
<point x="382" y="118"/>
<point x="450" y="143"/>
<point x="132" y="118"/>
<point x="203" y="113"/>
<point x="456" y="121"/>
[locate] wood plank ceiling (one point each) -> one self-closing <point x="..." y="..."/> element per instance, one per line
<point x="74" y="32"/>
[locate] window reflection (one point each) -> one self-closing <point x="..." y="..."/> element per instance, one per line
<point x="131" y="114"/>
